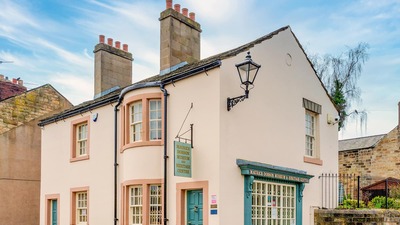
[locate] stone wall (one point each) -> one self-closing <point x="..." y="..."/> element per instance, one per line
<point x="386" y="156"/>
<point x="376" y="163"/>
<point x="356" y="217"/>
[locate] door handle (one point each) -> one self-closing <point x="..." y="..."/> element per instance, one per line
<point x="196" y="208"/>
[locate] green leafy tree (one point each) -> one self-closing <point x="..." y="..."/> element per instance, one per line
<point x="340" y="74"/>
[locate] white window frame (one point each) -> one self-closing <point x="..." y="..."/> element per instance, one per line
<point x="155" y="206"/>
<point x="273" y="203"/>
<point x="136" y="121"/>
<point x="310" y="134"/>
<point x="144" y="204"/>
<point x="81" y="208"/>
<point x="81" y="139"/>
<point x="136" y="205"/>
<point x="157" y="120"/>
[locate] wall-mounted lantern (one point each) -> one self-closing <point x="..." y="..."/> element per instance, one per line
<point x="247" y="71"/>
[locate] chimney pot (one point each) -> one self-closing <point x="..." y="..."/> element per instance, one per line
<point x="101" y="38"/>
<point x="20" y="82"/>
<point x="192" y="16"/>
<point x="118" y="44"/>
<point x="110" y="41"/>
<point x="185" y="12"/>
<point x="125" y="47"/>
<point x="169" y="4"/>
<point x="14" y="81"/>
<point x="177" y="8"/>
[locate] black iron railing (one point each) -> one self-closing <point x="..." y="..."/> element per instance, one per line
<point x="338" y="187"/>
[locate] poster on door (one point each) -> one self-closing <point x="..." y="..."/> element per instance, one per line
<point x="274" y="210"/>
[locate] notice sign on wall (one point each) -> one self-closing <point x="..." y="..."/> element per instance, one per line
<point x="183" y="159"/>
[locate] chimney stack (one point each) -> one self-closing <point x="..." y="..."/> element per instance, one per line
<point x="112" y="66"/>
<point x="180" y="38"/>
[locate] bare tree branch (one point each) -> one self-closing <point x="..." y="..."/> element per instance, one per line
<point x="340" y="74"/>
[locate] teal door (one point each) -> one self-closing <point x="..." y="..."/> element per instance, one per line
<point x="54" y="212"/>
<point x="195" y="207"/>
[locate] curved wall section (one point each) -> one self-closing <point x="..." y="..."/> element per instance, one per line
<point x="142" y="163"/>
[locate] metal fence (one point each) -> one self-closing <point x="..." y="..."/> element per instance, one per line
<point x="338" y="187"/>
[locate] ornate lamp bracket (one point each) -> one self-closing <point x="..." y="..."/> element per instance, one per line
<point x="233" y="101"/>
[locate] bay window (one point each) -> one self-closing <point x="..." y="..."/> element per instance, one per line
<point x="142" y="116"/>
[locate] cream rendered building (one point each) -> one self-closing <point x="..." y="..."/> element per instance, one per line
<point x="116" y="159"/>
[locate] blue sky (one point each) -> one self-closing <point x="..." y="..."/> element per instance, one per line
<point x="52" y="41"/>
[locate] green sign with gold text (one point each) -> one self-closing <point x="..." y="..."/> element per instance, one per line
<point x="183" y="159"/>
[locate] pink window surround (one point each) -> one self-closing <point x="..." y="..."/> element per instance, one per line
<point x="145" y="183"/>
<point x="73" y="203"/>
<point x="125" y="121"/>
<point x="74" y="124"/>
<point x="47" y="212"/>
<point x="181" y="189"/>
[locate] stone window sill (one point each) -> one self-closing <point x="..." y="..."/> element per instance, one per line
<point x="311" y="160"/>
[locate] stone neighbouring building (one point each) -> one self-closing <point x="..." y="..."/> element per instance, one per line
<point x="374" y="157"/>
<point x="9" y="88"/>
<point x="20" y="154"/>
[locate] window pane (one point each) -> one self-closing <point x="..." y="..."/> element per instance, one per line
<point x="310" y="131"/>
<point x="271" y="203"/>
<point x="81" y="207"/>
<point x="136" y="121"/>
<point x="155" y="211"/>
<point x="81" y="139"/>
<point x="155" y="119"/>
<point x="135" y="205"/>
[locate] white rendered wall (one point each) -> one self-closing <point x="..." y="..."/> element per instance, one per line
<point x="269" y="127"/>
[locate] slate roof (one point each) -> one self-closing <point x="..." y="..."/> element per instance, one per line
<point x="360" y="143"/>
<point x="192" y="68"/>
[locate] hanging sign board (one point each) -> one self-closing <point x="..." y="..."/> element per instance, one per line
<point x="183" y="159"/>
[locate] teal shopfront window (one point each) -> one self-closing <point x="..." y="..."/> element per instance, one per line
<point x="272" y="194"/>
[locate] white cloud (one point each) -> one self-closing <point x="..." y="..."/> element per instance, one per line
<point x="221" y="11"/>
<point x="15" y="15"/>
<point x="79" y="88"/>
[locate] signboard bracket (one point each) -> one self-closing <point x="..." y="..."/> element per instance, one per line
<point x="180" y="135"/>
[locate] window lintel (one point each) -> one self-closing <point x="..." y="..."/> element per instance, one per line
<point x="312" y="106"/>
